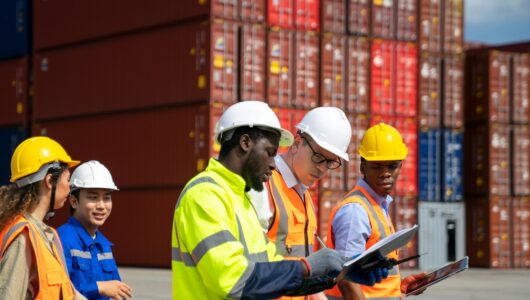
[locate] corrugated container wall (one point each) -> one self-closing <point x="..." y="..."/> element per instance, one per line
<point x="10" y="137"/>
<point x="521" y="88"/>
<point x="488" y="231"/>
<point x="359" y="124"/>
<point x="453" y="23"/>
<point x="290" y="14"/>
<point x="452" y="165"/>
<point x="403" y="212"/>
<point x="328" y="200"/>
<point x="382" y="78"/>
<point x="487" y="86"/>
<point x="333" y="16"/>
<point x="280" y="70"/>
<point x="173" y="65"/>
<point x="487" y="157"/>
<point x="253" y="55"/>
<point x="383" y="19"/>
<point x="453" y="91"/>
<point x="358" y="80"/>
<point x="358" y="17"/>
<point x="430" y="26"/>
<point x="521" y="232"/>
<point x="15" y="28"/>
<point x="429" y="165"/>
<point x="333" y="70"/>
<point x="281" y="13"/>
<point x="405" y="70"/>
<point x="520" y="165"/>
<point x="407" y="20"/>
<point x="14" y="91"/>
<point x="430" y="87"/>
<point x="306" y="69"/>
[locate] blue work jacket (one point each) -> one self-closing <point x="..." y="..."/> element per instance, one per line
<point x="88" y="260"/>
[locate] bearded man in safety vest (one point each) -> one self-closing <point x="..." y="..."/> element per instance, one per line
<point x="219" y="250"/>
<point x="362" y="219"/>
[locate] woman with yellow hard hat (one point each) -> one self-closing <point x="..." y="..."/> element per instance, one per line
<point x="31" y="256"/>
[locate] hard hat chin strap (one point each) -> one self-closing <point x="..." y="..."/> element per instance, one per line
<point x="55" y="172"/>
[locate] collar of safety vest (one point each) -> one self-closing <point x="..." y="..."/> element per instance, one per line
<point x="45" y="229"/>
<point x="382" y="201"/>
<point x="235" y="182"/>
<point x="85" y="237"/>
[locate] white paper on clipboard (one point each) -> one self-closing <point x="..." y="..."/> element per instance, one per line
<point x="383" y="247"/>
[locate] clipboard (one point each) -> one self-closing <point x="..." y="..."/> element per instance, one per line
<point x="438" y="275"/>
<point x="381" y="248"/>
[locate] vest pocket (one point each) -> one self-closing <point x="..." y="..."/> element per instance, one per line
<point x="108" y="265"/>
<point x="81" y="263"/>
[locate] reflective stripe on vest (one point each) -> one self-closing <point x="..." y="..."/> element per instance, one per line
<point x="288" y="203"/>
<point x="380" y="225"/>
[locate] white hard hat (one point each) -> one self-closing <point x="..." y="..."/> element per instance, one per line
<point x="92" y="175"/>
<point x="250" y="113"/>
<point x="329" y="128"/>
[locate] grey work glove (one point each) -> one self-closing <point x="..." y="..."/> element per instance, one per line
<point x="325" y="262"/>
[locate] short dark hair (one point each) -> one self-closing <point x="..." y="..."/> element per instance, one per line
<point x="76" y="195"/>
<point x="255" y="134"/>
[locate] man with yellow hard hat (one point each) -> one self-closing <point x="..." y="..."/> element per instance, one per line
<point x="362" y="219"/>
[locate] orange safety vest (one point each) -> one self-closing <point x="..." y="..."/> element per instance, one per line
<point x="389" y="288"/>
<point x="294" y="222"/>
<point x="54" y="282"/>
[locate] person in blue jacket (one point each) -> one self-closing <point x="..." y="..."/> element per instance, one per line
<point x="88" y="253"/>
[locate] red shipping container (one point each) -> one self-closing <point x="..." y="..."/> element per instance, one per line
<point x="358" y="81"/>
<point x="487" y="157"/>
<point x="405" y="71"/>
<point x="404" y="214"/>
<point x="252" y="11"/>
<point x="280" y="71"/>
<point x="328" y="200"/>
<point x="153" y="226"/>
<point x="521" y="88"/>
<point x="333" y="70"/>
<point x="453" y="91"/>
<point x="305" y="70"/>
<point x="289" y="118"/>
<point x="358" y="17"/>
<point x="216" y="111"/>
<point x="13" y="91"/>
<point x="520" y="166"/>
<point x="407" y="184"/>
<point x="383" y="21"/>
<point x="183" y="64"/>
<point x="487" y="86"/>
<point x="430" y="87"/>
<point x="176" y="140"/>
<point x="382" y="78"/>
<point x="62" y="22"/>
<point x="359" y="124"/>
<point x="521" y="232"/>
<point x="281" y="13"/>
<point x="333" y="17"/>
<point x="333" y="179"/>
<point x="453" y="37"/>
<point x="488" y="232"/>
<point x="307" y="14"/>
<point x="430" y="25"/>
<point x="253" y="57"/>
<point x="406" y="28"/>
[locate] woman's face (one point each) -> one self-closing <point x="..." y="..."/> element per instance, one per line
<point x="62" y="189"/>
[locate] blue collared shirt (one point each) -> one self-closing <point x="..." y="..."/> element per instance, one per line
<point x="351" y="225"/>
<point x="89" y="260"/>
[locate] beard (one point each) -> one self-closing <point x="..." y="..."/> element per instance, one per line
<point x="253" y="178"/>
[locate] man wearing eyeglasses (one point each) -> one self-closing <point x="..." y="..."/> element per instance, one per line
<point x="320" y="144"/>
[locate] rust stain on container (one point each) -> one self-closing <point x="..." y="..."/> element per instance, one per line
<point x="521" y="88"/>
<point x="306" y="71"/>
<point x="488" y="237"/>
<point x="333" y="70"/>
<point x="14" y="91"/>
<point x="521" y="232"/>
<point x="430" y="25"/>
<point x="280" y="67"/>
<point x="487" y="156"/>
<point x="358" y="81"/>
<point x="453" y="91"/>
<point x="430" y="88"/>
<point x="253" y="58"/>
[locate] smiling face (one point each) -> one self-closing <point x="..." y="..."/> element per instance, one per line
<point x="381" y="175"/>
<point x="92" y="208"/>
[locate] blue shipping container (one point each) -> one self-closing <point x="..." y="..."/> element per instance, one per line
<point x="14" y="28"/>
<point x="452" y="165"/>
<point x="429" y="165"/>
<point x="10" y="137"/>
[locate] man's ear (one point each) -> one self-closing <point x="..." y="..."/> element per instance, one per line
<point x="297" y="143"/>
<point x="362" y="167"/>
<point x="245" y="142"/>
<point x="74" y="202"/>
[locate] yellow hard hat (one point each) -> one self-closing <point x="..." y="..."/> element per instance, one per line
<point x="383" y="142"/>
<point x="33" y="154"/>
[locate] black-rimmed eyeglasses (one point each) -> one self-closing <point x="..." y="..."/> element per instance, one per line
<point x="319" y="158"/>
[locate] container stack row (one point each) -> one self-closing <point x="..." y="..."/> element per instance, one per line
<point x="497" y="182"/>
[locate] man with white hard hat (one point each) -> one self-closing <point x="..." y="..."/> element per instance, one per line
<point x="219" y="250"/>
<point x="88" y="253"/>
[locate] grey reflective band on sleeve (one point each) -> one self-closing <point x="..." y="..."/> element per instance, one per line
<point x="79" y="253"/>
<point x="210" y="242"/>
<point x="178" y="256"/>
<point x="237" y="290"/>
<point x="9" y="233"/>
<point x="105" y="255"/>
